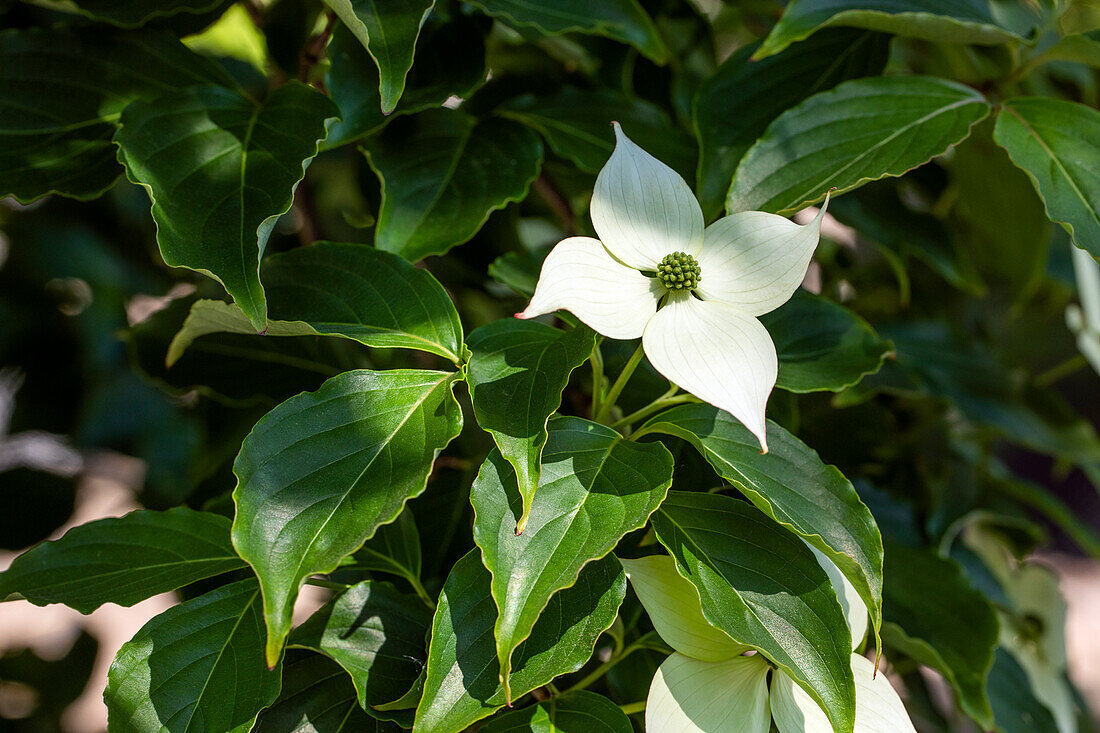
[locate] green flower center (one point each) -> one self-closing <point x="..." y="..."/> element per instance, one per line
<point x="679" y="271"/>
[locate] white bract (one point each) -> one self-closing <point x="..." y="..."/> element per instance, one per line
<point x="692" y="293"/>
<point x="709" y="685"/>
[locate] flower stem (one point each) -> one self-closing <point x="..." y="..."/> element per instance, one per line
<point x="596" y="359"/>
<point x="619" y="655"/>
<point x="668" y="399"/>
<point x="634" y="707"/>
<point x="1062" y="370"/>
<point x="620" y="383"/>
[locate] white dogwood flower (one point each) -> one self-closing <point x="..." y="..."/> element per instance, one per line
<point x="709" y="685"/>
<point x="692" y="293"/>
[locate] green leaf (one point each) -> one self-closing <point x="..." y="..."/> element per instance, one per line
<point x="197" y="666"/>
<point x="860" y="131"/>
<point x="878" y="213"/>
<point x="594" y="489"/>
<point x="318" y="697"/>
<point x="958" y="21"/>
<point x="443" y="173"/>
<point x="822" y="345"/>
<point x="735" y="106"/>
<point x="793" y="486"/>
<point x="220" y="170"/>
<point x="133" y="13"/>
<point x="519" y="270"/>
<point x="463" y="676"/>
<point x="577" y="712"/>
<point x="516" y="373"/>
<point x="394" y="549"/>
<point x="376" y="634"/>
<point x="936" y="617"/>
<point x="1015" y="707"/>
<point x="123" y="560"/>
<point x="348" y="290"/>
<point x="388" y="29"/>
<point x="623" y="20"/>
<point x="577" y="125"/>
<point x="61" y="93"/>
<point x="762" y="586"/>
<point x="450" y="61"/>
<point x="322" y="471"/>
<point x="1057" y="143"/>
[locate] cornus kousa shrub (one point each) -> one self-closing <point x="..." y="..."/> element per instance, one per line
<point x="802" y="377"/>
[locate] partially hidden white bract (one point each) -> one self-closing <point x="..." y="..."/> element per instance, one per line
<point x="674" y="608"/>
<point x="692" y="696"/>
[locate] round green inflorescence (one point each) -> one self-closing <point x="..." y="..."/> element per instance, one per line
<point x="679" y="271"/>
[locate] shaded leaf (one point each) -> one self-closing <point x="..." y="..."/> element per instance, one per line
<point x="133" y="13"/>
<point x="123" y="560"/>
<point x="376" y="634"/>
<point x="737" y="103"/>
<point x="959" y="21"/>
<point x="577" y="712"/>
<point x="197" y="666"/>
<point x="463" y="676"/>
<point x="443" y="173"/>
<point x="1015" y="707"/>
<point x="336" y="289"/>
<point x="1057" y="143"/>
<point x="935" y="616"/>
<point x="594" y="489"/>
<point x="318" y="697"/>
<point x="822" y="345"/>
<point x="61" y="93"/>
<point x="623" y="20"/>
<point x="220" y="170"/>
<point x="450" y="60"/>
<point x="793" y="486"/>
<point x="763" y="587"/>
<point x="860" y="131"/>
<point x="577" y="125"/>
<point x="394" y="549"/>
<point x="322" y="471"/>
<point x="388" y="29"/>
<point x="516" y="374"/>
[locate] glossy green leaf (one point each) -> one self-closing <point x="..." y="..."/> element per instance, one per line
<point x="61" y="93"/>
<point x="133" y="13"/>
<point x="123" y="560"/>
<point x="1057" y="143"/>
<point x="860" y="131"/>
<point x="443" y="173"/>
<point x="623" y="20"/>
<point x="388" y="29"/>
<point x="198" y="666"/>
<point x="394" y="549"/>
<point x="322" y="471"/>
<point x="762" y="586"/>
<point x="577" y="712"/>
<point x="793" y="486"/>
<point x="450" y="60"/>
<point x="936" y="617"/>
<point x="220" y="170"/>
<point x="375" y="633"/>
<point x="463" y="684"/>
<point x="516" y="373"/>
<point x="1016" y="709"/>
<point x="577" y="125"/>
<point x="595" y="487"/>
<point x="822" y="345"/>
<point x="318" y="697"/>
<point x="335" y="289"/>
<point x="958" y="21"/>
<point x="736" y="104"/>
